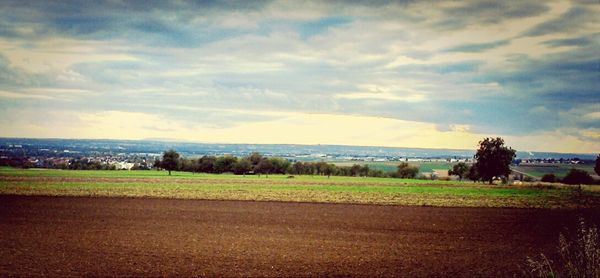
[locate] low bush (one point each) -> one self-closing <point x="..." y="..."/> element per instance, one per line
<point x="549" y="178"/>
<point x="576" y="176"/>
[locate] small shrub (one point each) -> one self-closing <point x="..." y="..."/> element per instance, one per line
<point x="578" y="257"/>
<point x="527" y="179"/>
<point x="405" y="171"/>
<point x="549" y="178"/>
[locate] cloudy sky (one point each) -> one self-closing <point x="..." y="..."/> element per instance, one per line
<point x="378" y="73"/>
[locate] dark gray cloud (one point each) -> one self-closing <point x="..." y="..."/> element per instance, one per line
<point x="574" y="18"/>
<point x="489" y="12"/>
<point x="184" y="24"/>
<point x="579" y="41"/>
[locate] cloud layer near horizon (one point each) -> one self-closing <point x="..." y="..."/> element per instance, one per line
<point x="392" y="73"/>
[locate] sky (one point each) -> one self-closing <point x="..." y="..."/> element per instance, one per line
<point x="427" y="74"/>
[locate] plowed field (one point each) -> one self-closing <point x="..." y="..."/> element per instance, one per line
<point x="74" y="236"/>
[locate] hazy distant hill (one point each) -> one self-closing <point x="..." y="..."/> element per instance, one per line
<point x="288" y="150"/>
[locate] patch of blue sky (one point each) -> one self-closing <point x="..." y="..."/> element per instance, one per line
<point x="316" y="27"/>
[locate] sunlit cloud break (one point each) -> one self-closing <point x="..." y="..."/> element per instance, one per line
<point x="384" y="73"/>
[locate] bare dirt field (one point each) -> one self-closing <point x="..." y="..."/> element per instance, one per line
<point x="75" y="236"/>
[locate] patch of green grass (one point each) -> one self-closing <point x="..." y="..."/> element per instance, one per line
<point x="14" y="172"/>
<point x="279" y="188"/>
<point x="458" y="191"/>
<point x="560" y="170"/>
<point x="424" y="166"/>
<point x="430" y="166"/>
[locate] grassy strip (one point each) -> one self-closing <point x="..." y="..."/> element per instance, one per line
<point x="184" y="185"/>
<point x="13" y="172"/>
<point x="474" y="191"/>
<point x="399" y="195"/>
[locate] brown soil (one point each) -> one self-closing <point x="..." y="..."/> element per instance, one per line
<point x="65" y="236"/>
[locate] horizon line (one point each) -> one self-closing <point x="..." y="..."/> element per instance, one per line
<point x="167" y="140"/>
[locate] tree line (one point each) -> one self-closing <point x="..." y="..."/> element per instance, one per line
<point x="258" y="164"/>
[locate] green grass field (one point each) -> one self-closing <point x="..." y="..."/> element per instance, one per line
<point x="384" y="191"/>
<point x="560" y="170"/>
<point x="424" y="166"/>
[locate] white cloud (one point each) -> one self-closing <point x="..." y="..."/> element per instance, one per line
<point x="15" y="95"/>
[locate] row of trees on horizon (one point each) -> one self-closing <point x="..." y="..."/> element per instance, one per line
<point x="492" y="161"/>
<point x="258" y="164"/>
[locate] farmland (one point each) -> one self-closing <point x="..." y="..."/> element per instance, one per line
<point x="319" y="189"/>
<point x="147" y="223"/>
<point x="560" y="170"/>
<point x="391" y="166"/>
<point x="82" y="236"/>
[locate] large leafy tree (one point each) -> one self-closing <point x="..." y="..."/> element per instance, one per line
<point x="170" y="161"/>
<point x="493" y="159"/>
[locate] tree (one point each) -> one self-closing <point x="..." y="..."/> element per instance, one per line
<point x="224" y="164"/>
<point x="206" y="164"/>
<point x="242" y="166"/>
<point x="320" y="167"/>
<point x="170" y="160"/>
<point x="186" y="165"/>
<point x="460" y="169"/>
<point x="309" y="168"/>
<point x="263" y="167"/>
<point x="576" y="176"/>
<point x="473" y="174"/>
<point x="493" y="159"/>
<point x="405" y="171"/>
<point x="597" y="167"/>
<point x="279" y="165"/>
<point x="255" y="158"/>
<point x="355" y="170"/>
<point x="298" y="168"/>
<point x="328" y="169"/>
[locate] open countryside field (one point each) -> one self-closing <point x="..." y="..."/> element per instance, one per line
<point x="391" y="166"/>
<point x="560" y="170"/>
<point x="350" y="190"/>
